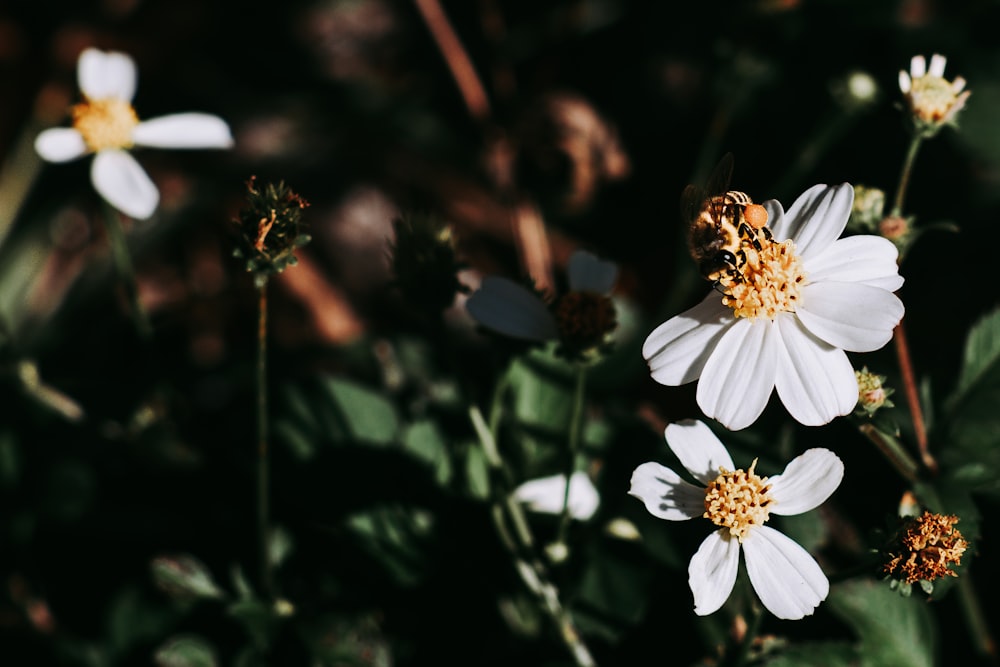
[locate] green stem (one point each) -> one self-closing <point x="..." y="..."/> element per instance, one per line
<point x="751" y="634"/>
<point x="904" y="175"/>
<point x="573" y="447"/>
<point x="893" y="451"/>
<point x="263" y="528"/>
<point x="126" y="273"/>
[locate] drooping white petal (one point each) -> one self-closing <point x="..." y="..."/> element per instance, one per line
<point x="852" y="316"/>
<point x="807" y="481"/>
<point x="738" y="378"/>
<point x="60" y="144"/>
<point x="712" y="571"/>
<point x="918" y="67"/>
<point x="775" y="214"/>
<point x="546" y="495"/>
<point x="124" y="184"/>
<point x="937" y="65"/>
<point x="103" y="74"/>
<point x="864" y="259"/>
<point x="512" y="310"/>
<point x="904" y="82"/>
<point x="677" y="350"/>
<point x="699" y="451"/>
<point x="665" y="494"/>
<point x="815" y="381"/>
<point x="788" y="581"/>
<point x="183" y="130"/>
<point x="588" y="273"/>
<point x="816" y="219"/>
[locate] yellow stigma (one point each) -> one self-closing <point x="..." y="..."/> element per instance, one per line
<point x="105" y="123"/>
<point x="738" y="500"/>
<point x="768" y="282"/>
<point x="933" y="99"/>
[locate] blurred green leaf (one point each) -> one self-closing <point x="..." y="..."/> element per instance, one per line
<point x="424" y="440"/>
<point x="395" y="536"/>
<point x="817" y="654"/>
<point x="186" y="651"/>
<point x="807" y="528"/>
<point x="891" y="629"/>
<point x="613" y="594"/>
<point x="184" y="577"/>
<point x="477" y="471"/>
<point x="133" y="619"/>
<point x="366" y="415"/>
<point x="542" y="391"/>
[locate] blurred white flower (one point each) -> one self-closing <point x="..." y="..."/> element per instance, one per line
<point x="546" y="495"/>
<point x="802" y="299"/>
<point x="787" y="579"/>
<point x="933" y="100"/>
<point x="106" y="124"/>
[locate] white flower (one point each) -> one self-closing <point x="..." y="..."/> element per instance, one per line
<point x="546" y="495"/>
<point x="803" y="299"/>
<point x="580" y="319"/>
<point x="106" y="124"/>
<point x="933" y="100"/>
<point x="787" y="579"/>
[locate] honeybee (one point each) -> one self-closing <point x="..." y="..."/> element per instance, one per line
<point x="718" y="220"/>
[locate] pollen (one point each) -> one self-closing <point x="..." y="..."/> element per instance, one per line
<point x="755" y="215"/>
<point x="768" y="280"/>
<point x="923" y="548"/>
<point x="105" y="123"/>
<point x="934" y="99"/>
<point x="738" y="500"/>
<point x="584" y="319"/>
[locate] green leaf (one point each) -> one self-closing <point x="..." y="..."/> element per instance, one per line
<point x="395" y="536"/>
<point x="817" y="654"/>
<point x="477" y="471"/>
<point x="424" y="440"/>
<point x="186" y="651"/>
<point x="184" y="577"/>
<point x="613" y="593"/>
<point x="542" y="391"/>
<point x="891" y="629"/>
<point x="367" y="416"/>
<point x="982" y="354"/>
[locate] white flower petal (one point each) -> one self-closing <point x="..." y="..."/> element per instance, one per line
<point x="937" y="65"/>
<point x="918" y="67"/>
<point x="712" y="571"/>
<point x="123" y="183"/>
<point x="815" y="381"/>
<point x="816" y="219"/>
<point x="60" y="144"/>
<point x="904" y="82"/>
<point x="775" y="215"/>
<point x="665" y="494"/>
<point x="546" y="495"/>
<point x="677" y="350"/>
<point x="588" y="273"/>
<point x="512" y="310"/>
<point x="699" y="451"/>
<point x="864" y="259"/>
<point x="788" y="581"/>
<point x="106" y="74"/>
<point x="852" y="316"/>
<point x="184" y="130"/>
<point x="739" y="376"/>
<point x="807" y="481"/>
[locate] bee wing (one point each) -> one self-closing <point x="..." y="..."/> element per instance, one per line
<point x="718" y="181"/>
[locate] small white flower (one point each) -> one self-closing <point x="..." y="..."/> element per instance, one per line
<point x="106" y="124"/>
<point x="546" y="495"/>
<point x="787" y="579"/>
<point x="805" y="298"/>
<point x="580" y="319"/>
<point x="933" y="100"/>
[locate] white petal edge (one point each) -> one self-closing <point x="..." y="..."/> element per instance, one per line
<point x="806" y="482"/>
<point x="816" y="219"/>
<point x="737" y="380"/>
<point x="937" y="65"/>
<point x="184" y="130"/>
<point x="712" y="571"/>
<point x="788" y="581"/>
<point x="678" y="349"/>
<point x="815" y="381"/>
<point x="904" y="82"/>
<point x="857" y="259"/>
<point x="665" y="494"/>
<point x="699" y="451"/>
<point x="124" y="184"/>
<point x="546" y="495"/>
<point x="586" y="272"/>
<point x="512" y="310"/>
<point x="852" y="316"/>
<point x="918" y="66"/>
<point x="60" y="144"/>
<point x="103" y="74"/>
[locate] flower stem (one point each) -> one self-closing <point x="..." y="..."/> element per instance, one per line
<point x="893" y="451"/>
<point x="904" y="175"/>
<point x="126" y="273"/>
<point x="573" y="447"/>
<point x="263" y="528"/>
<point x="912" y="396"/>
<point x="749" y="636"/>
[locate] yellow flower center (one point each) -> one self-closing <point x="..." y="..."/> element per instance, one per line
<point x="738" y="500"/>
<point x="768" y="279"/>
<point x="932" y="98"/>
<point x="105" y="123"/>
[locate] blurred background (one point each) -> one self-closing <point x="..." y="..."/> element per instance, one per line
<point x="532" y="129"/>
